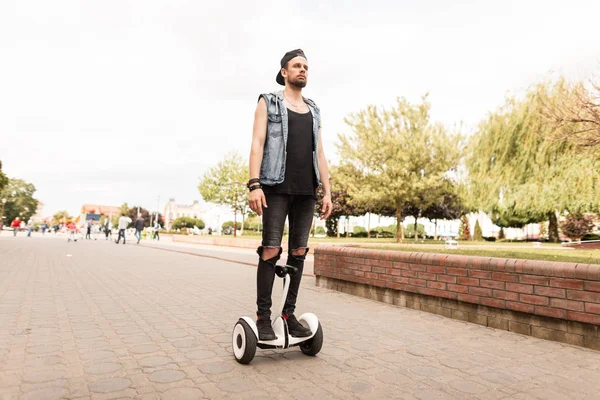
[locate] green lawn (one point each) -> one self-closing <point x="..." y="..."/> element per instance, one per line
<point x="528" y="253"/>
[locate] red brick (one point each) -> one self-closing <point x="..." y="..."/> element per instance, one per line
<point x="493" y="302"/>
<point x="427" y="276"/>
<point x="531" y="299"/>
<point x="480" y="274"/>
<point x="458" y="288"/>
<point x="390" y="271"/>
<point x="436" y="285"/>
<point x="585" y="318"/>
<point x="468" y="298"/>
<point x="456" y="271"/>
<point x="436" y="270"/>
<point x="468" y="281"/>
<point x="592" y="308"/>
<point x="479" y="291"/>
<point x="551" y="312"/>
<point x="358" y="273"/>
<point x="384" y="263"/>
<point x="417" y="282"/>
<point x="551" y="292"/>
<point x="410" y="274"/>
<point x="396" y="286"/>
<point x="446" y="294"/>
<point x="366" y="268"/>
<point x="385" y="277"/>
<point x="592" y="286"/>
<point x="399" y="279"/>
<point x="491" y="284"/>
<point x="592" y="297"/>
<point x="446" y="278"/>
<point x="501" y="276"/>
<point x="427" y="291"/>
<point x="566" y="283"/>
<point x="501" y="294"/>
<point x="410" y="288"/>
<point x="371" y="275"/>
<point x="400" y="265"/>
<point x="533" y="280"/>
<point x="383" y="270"/>
<point x="517" y="287"/>
<point x="418" y="267"/>
<point x="526" y="308"/>
<point x="567" y="304"/>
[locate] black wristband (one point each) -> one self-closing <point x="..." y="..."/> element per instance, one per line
<point x="253" y="180"/>
<point x="255" y="187"/>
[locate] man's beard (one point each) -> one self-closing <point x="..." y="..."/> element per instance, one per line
<point x="298" y="83"/>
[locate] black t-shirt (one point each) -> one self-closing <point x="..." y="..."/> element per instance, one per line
<point x="300" y="178"/>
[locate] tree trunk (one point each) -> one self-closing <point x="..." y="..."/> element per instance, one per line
<point x="435" y="229"/>
<point x="235" y="219"/>
<point x="369" y="226"/>
<point x="552" y="227"/>
<point x="399" y="230"/>
<point x="416" y="232"/>
<point x="338" y="228"/>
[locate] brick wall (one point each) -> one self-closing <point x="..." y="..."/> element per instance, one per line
<point x="552" y="291"/>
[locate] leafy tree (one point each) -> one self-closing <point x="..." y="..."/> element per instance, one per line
<point x="450" y="206"/>
<point x="396" y="157"/>
<point x="341" y="206"/>
<point x="520" y="175"/>
<point x="3" y="179"/>
<point x="132" y="213"/>
<point x="320" y="230"/>
<point x="187" y="222"/>
<point x="124" y="209"/>
<point x="226" y="184"/>
<point x="411" y="233"/>
<point x="477" y="233"/>
<point x="501" y="234"/>
<point x="575" y="226"/>
<point x="60" y="217"/>
<point x="19" y="200"/>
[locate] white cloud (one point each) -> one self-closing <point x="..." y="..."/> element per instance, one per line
<point x="114" y="101"/>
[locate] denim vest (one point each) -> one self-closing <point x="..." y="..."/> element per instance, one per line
<point x="272" y="168"/>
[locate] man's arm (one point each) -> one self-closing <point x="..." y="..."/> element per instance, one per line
<point x="324" y="174"/>
<point x="259" y="136"/>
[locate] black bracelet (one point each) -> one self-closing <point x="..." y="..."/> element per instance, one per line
<point x="251" y="181"/>
<point x="255" y="187"/>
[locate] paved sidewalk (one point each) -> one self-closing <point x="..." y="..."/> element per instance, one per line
<point x="99" y="320"/>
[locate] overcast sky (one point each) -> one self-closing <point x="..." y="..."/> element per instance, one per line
<point x="113" y="101"/>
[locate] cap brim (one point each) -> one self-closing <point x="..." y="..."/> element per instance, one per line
<point x="279" y="79"/>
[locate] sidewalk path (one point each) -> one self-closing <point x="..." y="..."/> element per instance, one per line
<point x="96" y="320"/>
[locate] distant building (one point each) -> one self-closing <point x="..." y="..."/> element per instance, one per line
<point x="109" y="211"/>
<point x="174" y="211"/>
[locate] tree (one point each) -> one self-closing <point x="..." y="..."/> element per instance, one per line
<point x="464" y="231"/>
<point x="519" y="175"/>
<point x="132" y="213"/>
<point x="226" y="184"/>
<point x="576" y="226"/>
<point x="187" y="222"/>
<point x="477" y="233"/>
<point x="60" y="217"/>
<point x="450" y="206"/>
<point x="501" y="234"/>
<point x="19" y="200"/>
<point x="341" y="206"/>
<point x="396" y="157"/>
<point x="3" y="179"/>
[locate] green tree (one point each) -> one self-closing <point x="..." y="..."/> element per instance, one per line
<point x="464" y="231"/>
<point x="60" y="217"/>
<point x="477" y="233"/>
<point x="501" y="234"/>
<point x="3" y="179"/>
<point x="341" y="206"/>
<point x="225" y="184"/>
<point x="519" y="175"/>
<point x="132" y="213"/>
<point x="187" y="222"/>
<point x="396" y="157"/>
<point x="450" y="206"/>
<point x="19" y="200"/>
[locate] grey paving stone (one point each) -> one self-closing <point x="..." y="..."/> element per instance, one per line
<point x="109" y="385"/>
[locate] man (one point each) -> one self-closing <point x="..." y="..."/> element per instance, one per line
<point x="124" y="222"/>
<point x="15" y="225"/>
<point x="139" y="227"/>
<point x="156" y="230"/>
<point x="107" y="228"/>
<point x="287" y="164"/>
<point x="88" y="233"/>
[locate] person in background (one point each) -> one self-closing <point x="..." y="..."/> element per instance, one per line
<point x="15" y="225"/>
<point x="156" y="229"/>
<point x="88" y="233"/>
<point x="139" y="227"/>
<point x="124" y="222"/>
<point x="107" y="228"/>
<point x="72" y="231"/>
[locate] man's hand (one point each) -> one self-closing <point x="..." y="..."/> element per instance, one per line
<point x="327" y="206"/>
<point x="257" y="200"/>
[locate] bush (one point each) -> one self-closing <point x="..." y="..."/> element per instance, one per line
<point x="320" y="230"/>
<point x="359" y="234"/>
<point x="358" y="229"/>
<point x="409" y="232"/>
<point x="575" y="226"/>
<point x="477" y="234"/>
<point x="187" y="222"/>
<point x="489" y="238"/>
<point x="591" y="236"/>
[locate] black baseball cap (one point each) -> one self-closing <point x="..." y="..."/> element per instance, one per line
<point x="286" y="58"/>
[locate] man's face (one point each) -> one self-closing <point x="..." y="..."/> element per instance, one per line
<point x="296" y="72"/>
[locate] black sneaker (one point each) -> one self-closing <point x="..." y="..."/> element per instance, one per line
<point x="295" y="328"/>
<point x="265" y="330"/>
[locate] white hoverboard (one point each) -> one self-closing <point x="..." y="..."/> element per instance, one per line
<point x="245" y="334"/>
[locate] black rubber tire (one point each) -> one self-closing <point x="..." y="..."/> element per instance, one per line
<point x="313" y="346"/>
<point x="251" y="343"/>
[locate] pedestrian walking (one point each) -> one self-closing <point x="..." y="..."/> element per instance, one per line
<point x="124" y="222"/>
<point x="108" y="228"/>
<point x="156" y="229"/>
<point x="139" y="227"/>
<point x="88" y="233"/>
<point x="15" y="225"/>
<point x="287" y="164"/>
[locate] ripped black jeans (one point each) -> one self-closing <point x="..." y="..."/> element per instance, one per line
<point x="299" y="210"/>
